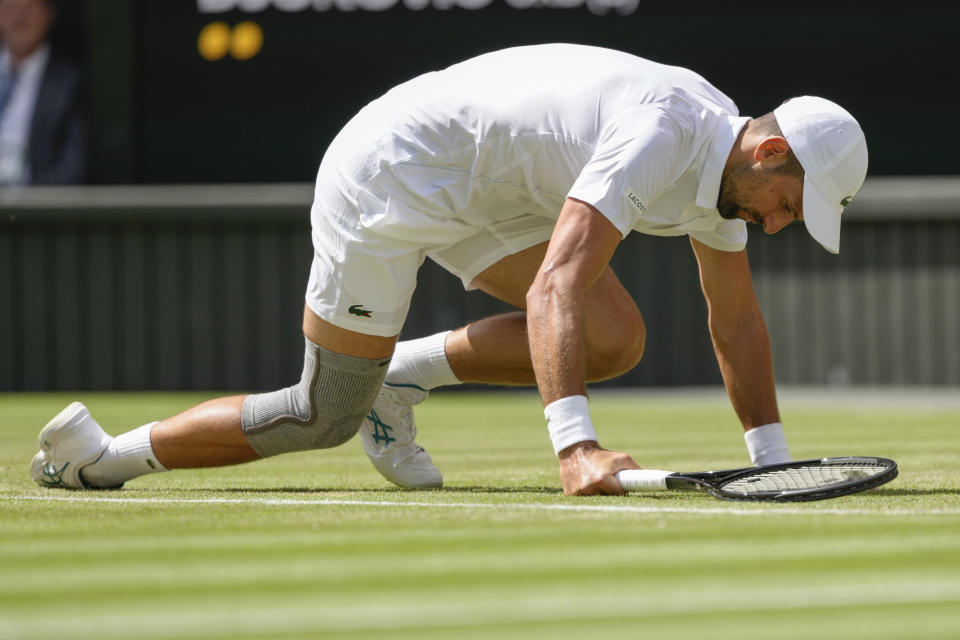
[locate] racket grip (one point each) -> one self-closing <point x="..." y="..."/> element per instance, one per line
<point x="643" y="479"/>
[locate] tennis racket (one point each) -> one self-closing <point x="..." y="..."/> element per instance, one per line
<point x="803" y="480"/>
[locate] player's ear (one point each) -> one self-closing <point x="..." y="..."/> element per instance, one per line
<point x="772" y="150"/>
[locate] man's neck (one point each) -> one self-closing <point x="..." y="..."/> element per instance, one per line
<point x="17" y="58"/>
<point x="740" y="148"/>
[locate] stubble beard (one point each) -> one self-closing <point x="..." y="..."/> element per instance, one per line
<point x="730" y="202"/>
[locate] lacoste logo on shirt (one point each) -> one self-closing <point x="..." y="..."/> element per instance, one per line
<point x="635" y="200"/>
<point x="357" y="310"/>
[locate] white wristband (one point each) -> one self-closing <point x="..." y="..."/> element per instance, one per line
<point x="568" y="421"/>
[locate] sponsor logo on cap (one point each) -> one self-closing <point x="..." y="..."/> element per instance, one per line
<point x="846" y="201"/>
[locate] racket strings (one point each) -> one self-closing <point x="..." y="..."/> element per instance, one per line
<point x="801" y="478"/>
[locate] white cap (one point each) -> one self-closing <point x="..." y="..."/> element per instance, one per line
<point x="832" y="150"/>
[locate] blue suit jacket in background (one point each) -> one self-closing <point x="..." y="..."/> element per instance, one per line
<point x="57" y="154"/>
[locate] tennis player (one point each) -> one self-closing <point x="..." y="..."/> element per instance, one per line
<point x="519" y="171"/>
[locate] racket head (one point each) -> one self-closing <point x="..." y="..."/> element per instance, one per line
<point x="804" y="480"/>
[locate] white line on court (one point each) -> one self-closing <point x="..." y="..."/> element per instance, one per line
<point x="766" y="510"/>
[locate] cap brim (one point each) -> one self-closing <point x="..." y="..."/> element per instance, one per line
<point x="821" y="217"/>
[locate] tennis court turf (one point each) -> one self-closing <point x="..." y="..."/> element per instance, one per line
<point x="317" y="545"/>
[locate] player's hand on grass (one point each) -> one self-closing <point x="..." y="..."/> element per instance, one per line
<point x="586" y="469"/>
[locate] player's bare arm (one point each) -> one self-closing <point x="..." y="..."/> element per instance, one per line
<point x="739" y="334"/>
<point x="579" y="251"/>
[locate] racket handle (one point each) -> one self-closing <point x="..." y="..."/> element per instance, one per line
<point x="643" y="479"/>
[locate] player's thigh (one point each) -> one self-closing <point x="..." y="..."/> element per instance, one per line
<point x="510" y="278"/>
<point x="343" y="341"/>
<point x="501" y="258"/>
<point x="613" y="324"/>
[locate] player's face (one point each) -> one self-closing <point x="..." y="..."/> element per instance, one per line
<point x="761" y="196"/>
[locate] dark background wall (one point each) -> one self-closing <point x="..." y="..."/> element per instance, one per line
<point x="161" y="113"/>
<point x="197" y="287"/>
<point x="201" y="288"/>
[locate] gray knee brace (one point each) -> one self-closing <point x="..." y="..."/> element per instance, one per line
<point x="325" y="410"/>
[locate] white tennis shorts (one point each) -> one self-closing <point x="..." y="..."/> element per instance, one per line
<point x="369" y="243"/>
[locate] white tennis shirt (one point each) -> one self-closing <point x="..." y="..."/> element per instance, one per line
<point x="519" y="130"/>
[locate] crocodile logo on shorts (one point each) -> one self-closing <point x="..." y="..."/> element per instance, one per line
<point x="357" y="310"/>
<point x="846" y="201"/>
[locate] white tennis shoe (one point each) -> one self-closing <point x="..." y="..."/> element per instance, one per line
<point x="71" y="441"/>
<point x="388" y="435"/>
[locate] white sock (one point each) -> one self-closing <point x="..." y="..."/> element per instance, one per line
<point x="767" y="444"/>
<point x="422" y="362"/>
<point x="129" y="455"/>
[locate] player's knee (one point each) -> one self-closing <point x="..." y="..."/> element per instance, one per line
<point x="324" y="410"/>
<point x="617" y="347"/>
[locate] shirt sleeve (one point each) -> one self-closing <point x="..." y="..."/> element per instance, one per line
<point x="635" y="161"/>
<point x="729" y="235"/>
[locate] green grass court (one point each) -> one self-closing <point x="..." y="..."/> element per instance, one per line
<point x="317" y="545"/>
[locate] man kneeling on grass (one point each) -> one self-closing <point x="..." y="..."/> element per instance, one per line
<point x="519" y="171"/>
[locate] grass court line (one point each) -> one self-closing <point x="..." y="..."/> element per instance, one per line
<point x="765" y="510"/>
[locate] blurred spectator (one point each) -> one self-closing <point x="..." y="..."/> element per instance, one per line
<point x="41" y="127"/>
